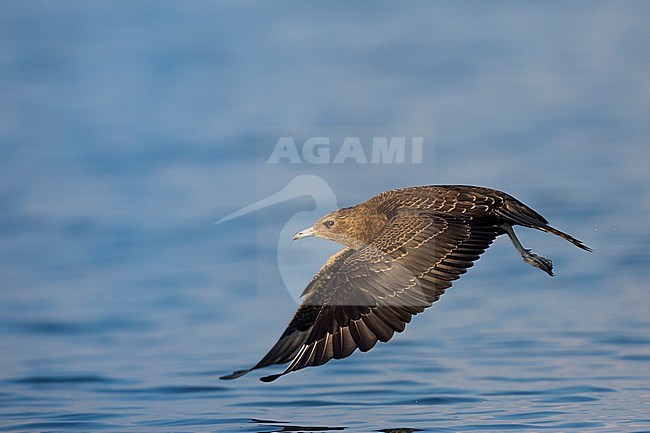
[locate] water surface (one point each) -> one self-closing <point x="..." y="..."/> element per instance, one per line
<point x="128" y="129"/>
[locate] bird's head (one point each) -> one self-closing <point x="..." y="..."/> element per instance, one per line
<point x="350" y="226"/>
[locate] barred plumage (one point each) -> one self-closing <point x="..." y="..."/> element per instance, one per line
<point x="403" y="249"/>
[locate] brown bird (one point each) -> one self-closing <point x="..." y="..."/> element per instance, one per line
<point x="403" y="249"/>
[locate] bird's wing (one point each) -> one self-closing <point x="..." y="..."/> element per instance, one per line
<point x="377" y="289"/>
<point x="298" y="329"/>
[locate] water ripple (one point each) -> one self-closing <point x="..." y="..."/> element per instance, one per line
<point x="438" y="400"/>
<point x="65" y="379"/>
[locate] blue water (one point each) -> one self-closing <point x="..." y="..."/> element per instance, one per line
<point x="128" y="128"/>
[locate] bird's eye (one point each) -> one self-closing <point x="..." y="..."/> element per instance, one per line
<point x="329" y="223"/>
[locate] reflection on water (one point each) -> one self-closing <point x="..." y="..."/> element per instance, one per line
<point x="126" y="131"/>
<point x="277" y="426"/>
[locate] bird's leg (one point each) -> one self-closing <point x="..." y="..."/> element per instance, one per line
<point x="528" y="256"/>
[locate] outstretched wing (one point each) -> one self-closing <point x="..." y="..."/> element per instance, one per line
<point x="298" y="330"/>
<point x="377" y="289"/>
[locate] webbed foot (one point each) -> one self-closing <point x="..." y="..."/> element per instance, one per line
<point x="540" y="262"/>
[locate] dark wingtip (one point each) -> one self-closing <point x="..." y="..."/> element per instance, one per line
<point x="234" y="375"/>
<point x="270" y="378"/>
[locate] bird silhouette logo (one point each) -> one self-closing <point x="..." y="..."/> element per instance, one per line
<point x="290" y="255"/>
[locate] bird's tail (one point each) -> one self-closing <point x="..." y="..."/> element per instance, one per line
<point x="515" y="212"/>
<point x="577" y="242"/>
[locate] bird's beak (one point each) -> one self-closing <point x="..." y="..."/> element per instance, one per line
<point x="303" y="234"/>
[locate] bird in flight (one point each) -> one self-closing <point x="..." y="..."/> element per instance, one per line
<point x="403" y="249"/>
